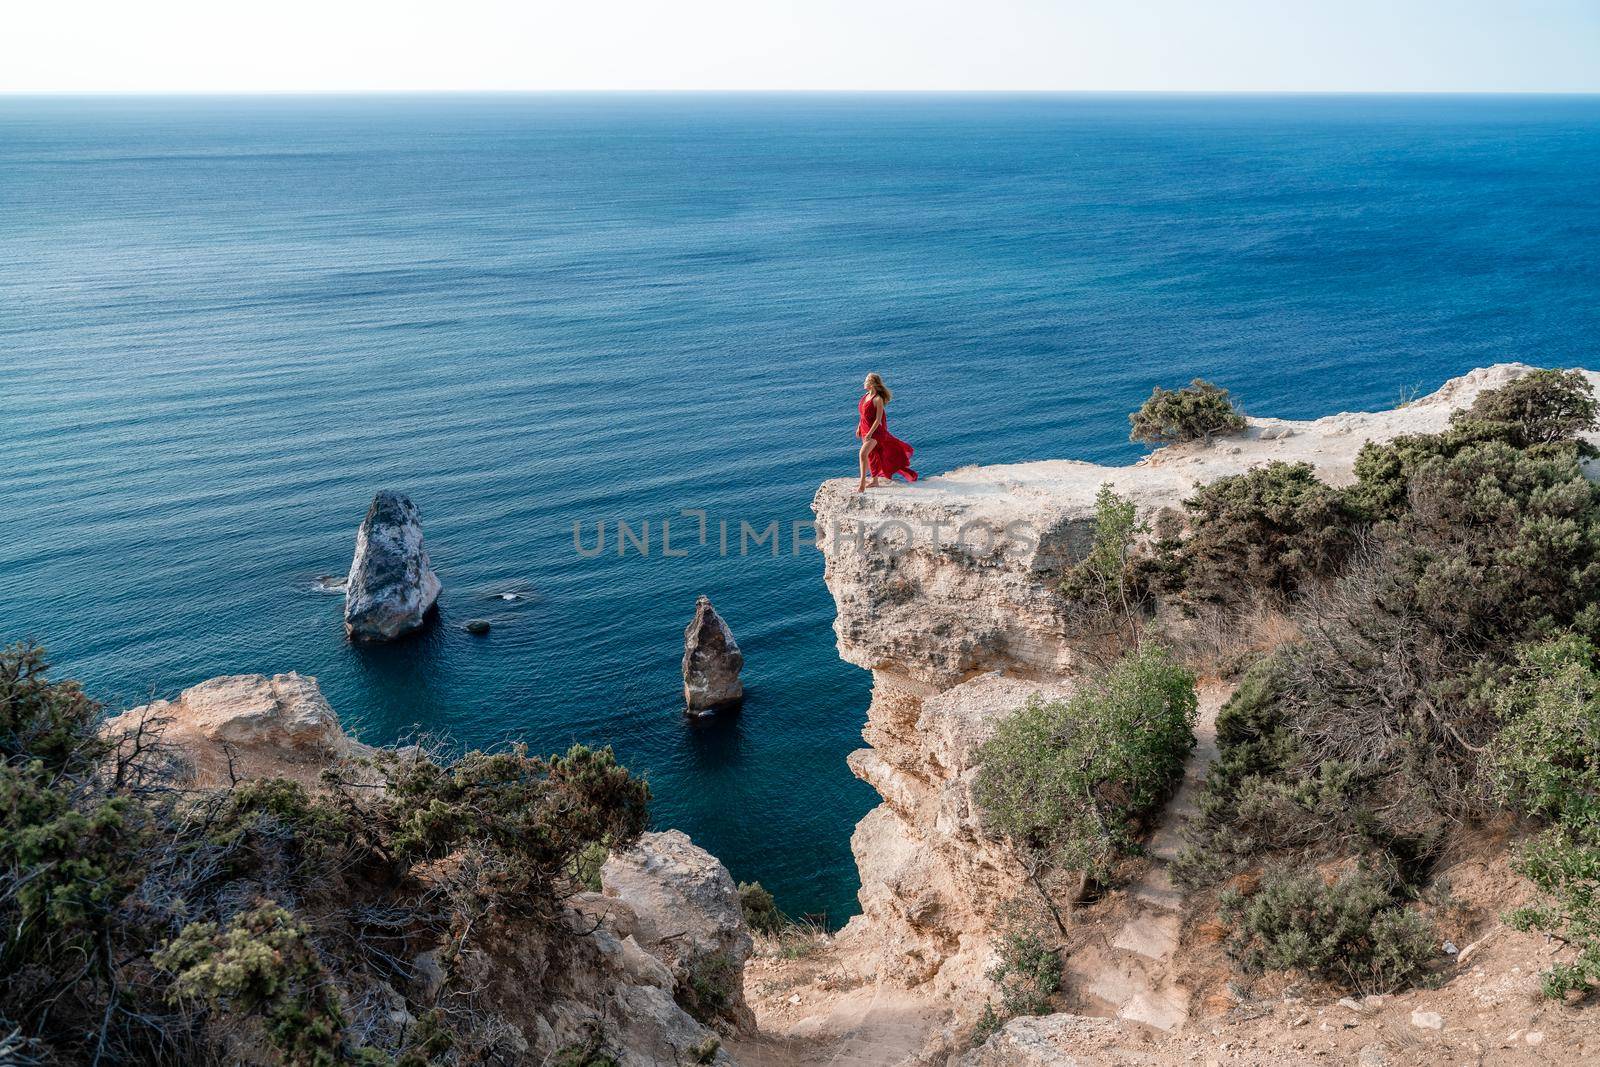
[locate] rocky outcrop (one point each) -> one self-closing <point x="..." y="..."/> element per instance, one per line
<point x="392" y="587"/>
<point x="668" y="917"/>
<point x="686" y="914"/>
<point x="245" y="726"/>
<point x="711" y="662"/>
<point x="946" y="591"/>
<point x="611" y="985"/>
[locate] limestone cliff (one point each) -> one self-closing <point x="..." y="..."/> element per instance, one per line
<point x="946" y="591"/>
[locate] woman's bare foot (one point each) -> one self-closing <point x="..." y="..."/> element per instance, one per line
<point x="861" y="487"/>
<point x="875" y="483"/>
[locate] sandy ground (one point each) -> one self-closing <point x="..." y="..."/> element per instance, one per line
<point x="1489" y="1008"/>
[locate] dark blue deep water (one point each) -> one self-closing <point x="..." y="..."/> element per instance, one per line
<point x="225" y="322"/>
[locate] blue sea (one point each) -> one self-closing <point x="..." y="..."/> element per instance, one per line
<point x="226" y="322"/>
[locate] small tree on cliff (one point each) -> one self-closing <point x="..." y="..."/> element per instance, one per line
<point x="1107" y="594"/>
<point x="1068" y="782"/>
<point x="1197" y="412"/>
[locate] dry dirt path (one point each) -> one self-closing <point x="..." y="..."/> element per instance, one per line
<point x="1127" y="975"/>
<point x="1130" y="974"/>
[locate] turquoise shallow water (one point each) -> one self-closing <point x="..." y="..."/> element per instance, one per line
<point x="225" y="322"/>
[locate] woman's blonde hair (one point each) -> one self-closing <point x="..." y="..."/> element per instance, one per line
<point x="875" y="385"/>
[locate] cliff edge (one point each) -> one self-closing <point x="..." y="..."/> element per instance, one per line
<point x="947" y="592"/>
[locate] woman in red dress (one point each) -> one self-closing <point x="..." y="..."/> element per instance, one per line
<point x="882" y="453"/>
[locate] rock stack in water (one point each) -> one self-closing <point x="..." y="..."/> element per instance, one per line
<point x="392" y="586"/>
<point x="711" y="662"/>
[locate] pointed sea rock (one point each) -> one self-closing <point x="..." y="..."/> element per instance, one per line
<point x="711" y="662"/>
<point x="392" y="586"/>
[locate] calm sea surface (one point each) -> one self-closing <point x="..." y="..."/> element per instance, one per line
<point x="225" y="322"/>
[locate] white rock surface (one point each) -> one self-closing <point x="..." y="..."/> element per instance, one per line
<point x="277" y="725"/>
<point x="686" y="909"/>
<point x="1053" y="1041"/>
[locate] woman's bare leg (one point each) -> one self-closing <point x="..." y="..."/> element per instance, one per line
<point x="866" y="448"/>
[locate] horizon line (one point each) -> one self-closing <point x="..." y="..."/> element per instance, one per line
<point x="177" y="92"/>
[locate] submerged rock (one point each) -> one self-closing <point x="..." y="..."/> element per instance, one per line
<point x="392" y="586"/>
<point x="477" y="627"/>
<point x="711" y="662"/>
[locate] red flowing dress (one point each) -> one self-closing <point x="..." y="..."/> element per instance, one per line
<point x="892" y="456"/>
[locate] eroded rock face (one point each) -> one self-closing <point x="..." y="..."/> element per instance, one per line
<point x="392" y="586"/>
<point x="608" y="989"/>
<point x="946" y="591"/>
<point x="931" y="880"/>
<point x="686" y="913"/>
<point x="247" y="726"/>
<point x="711" y="662"/>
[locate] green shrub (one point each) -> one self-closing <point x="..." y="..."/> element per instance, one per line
<point x="1107" y="592"/>
<point x="1256" y="753"/>
<point x="1546" y="763"/>
<point x="989" y="1023"/>
<point x="261" y="965"/>
<point x="1067" y="781"/>
<point x="1028" y="974"/>
<point x="1546" y="758"/>
<point x="1272" y="529"/>
<point x="539" y="814"/>
<point x="1199" y="411"/>
<point x="1392" y="680"/>
<point x="1351" y="933"/>
<point x="760" y="911"/>
<point x="1543" y="412"/>
<point x="52" y="723"/>
<point x="69" y="856"/>
<point x="588" y="864"/>
<point x="1544" y="407"/>
<point x="707" y="989"/>
<point x="1564" y="865"/>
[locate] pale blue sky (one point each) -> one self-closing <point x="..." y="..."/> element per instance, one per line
<point x="1284" y="45"/>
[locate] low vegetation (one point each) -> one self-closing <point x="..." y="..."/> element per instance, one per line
<point x="1067" y="782"/>
<point x="1027" y="972"/>
<point x="1108" y="593"/>
<point x="1197" y="412"/>
<point x="1274" y="530"/>
<point x="1445" y="605"/>
<point x="1546" y="764"/>
<point x="144" y="923"/>
<point x="1349" y="932"/>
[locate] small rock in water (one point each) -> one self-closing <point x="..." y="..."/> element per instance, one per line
<point x="711" y="662"/>
<point x="329" y="583"/>
<point x="477" y="627"/>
